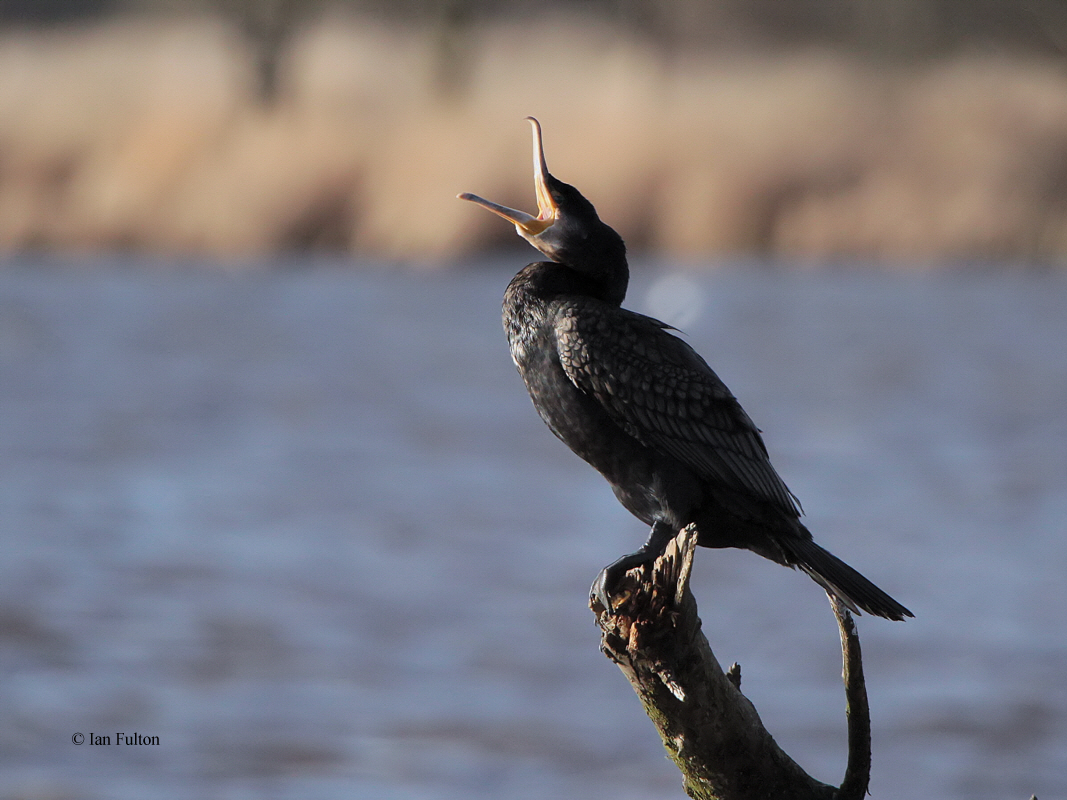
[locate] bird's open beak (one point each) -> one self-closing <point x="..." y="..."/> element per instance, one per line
<point x="547" y="210"/>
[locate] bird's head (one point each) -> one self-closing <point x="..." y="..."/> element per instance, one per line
<point x="566" y="229"/>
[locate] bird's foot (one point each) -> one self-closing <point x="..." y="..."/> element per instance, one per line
<point x="607" y="582"/>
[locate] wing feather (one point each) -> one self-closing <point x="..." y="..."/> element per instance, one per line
<point x="660" y="391"/>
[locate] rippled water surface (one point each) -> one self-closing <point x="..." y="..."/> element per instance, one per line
<point x="304" y="526"/>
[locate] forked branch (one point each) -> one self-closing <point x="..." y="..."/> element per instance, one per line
<point x="708" y="727"/>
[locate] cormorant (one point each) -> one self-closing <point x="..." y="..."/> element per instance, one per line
<point x="639" y="404"/>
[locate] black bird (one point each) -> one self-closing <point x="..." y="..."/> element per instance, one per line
<point x="639" y="404"/>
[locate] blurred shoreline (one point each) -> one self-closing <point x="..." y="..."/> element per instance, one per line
<point x="142" y="135"/>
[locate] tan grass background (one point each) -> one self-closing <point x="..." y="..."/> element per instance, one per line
<point x="140" y="134"/>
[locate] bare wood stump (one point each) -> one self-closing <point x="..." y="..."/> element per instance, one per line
<point x="708" y="727"/>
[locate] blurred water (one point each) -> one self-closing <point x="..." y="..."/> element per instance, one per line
<point x="305" y="528"/>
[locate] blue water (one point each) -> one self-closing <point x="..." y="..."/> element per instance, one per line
<point x="304" y="526"/>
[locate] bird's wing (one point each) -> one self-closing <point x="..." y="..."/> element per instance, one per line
<point x="660" y="391"/>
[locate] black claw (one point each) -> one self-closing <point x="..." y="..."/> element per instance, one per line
<point x="608" y="580"/>
<point x="598" y="592"/>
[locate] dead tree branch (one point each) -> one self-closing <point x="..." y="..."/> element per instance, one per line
<point x="708" y="727"/>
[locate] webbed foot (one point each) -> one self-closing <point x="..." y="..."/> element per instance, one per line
<point x="607" y="581"/>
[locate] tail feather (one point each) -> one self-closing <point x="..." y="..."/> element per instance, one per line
<point x="841" y="580"/>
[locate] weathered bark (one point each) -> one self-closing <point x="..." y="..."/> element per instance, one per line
<point x="708" y="727"/>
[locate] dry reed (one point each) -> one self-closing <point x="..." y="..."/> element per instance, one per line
<point x="142" y="135"/>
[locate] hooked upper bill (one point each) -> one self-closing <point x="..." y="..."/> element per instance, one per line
<point x="547" y="210"/>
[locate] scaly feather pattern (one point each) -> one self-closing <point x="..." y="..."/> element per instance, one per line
<point x="660" y="391"/>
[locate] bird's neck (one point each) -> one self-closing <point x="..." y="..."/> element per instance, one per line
<point x="610" y="282"/>
<point x="547" y="280"/>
